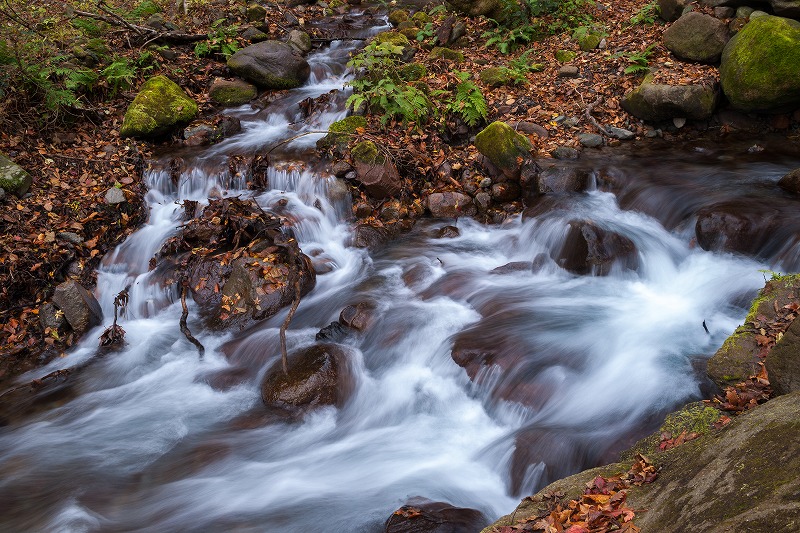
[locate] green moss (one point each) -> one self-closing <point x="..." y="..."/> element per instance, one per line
<point x="421" y="18"/>
<point x="413" y="71"/>
<point x="233" y="93"/>
<point x="760" y="68"/>
<point x="160" y="105"/>
<point x="393" y="37"/>
<point x="397" y="16"/>
<point x="367" y="152"/>
<point x="13" y="178"/>
<point x="565" y="56"/>
<point x="333" y="4"/>
<point x="410" y="33"/>
<point x="502" y="145"/>
<point x="587" y="38"/>
<point x="495" y="76"/>
<point x="440" y="52"/>
<point x="340" y="132"/>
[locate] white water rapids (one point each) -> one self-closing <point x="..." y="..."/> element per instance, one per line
<point x="147" y="444"/>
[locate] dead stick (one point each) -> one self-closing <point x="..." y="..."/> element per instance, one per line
<point x="184" y="328"/>
<point x="588" y="113"/>
<point x="295" y="304"/>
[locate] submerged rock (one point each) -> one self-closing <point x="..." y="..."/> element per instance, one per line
<point x="740" y="226"/>
<point x="421" y="515"/>
<point x="160" y="106"/>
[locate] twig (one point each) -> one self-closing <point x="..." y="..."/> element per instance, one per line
<point x="290" y="139"/>
<point x="184" y="328"/>
<point x="295" y="304"/>
<point x="588" y="114"/>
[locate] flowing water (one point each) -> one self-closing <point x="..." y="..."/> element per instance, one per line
<point x="148" y="440"/>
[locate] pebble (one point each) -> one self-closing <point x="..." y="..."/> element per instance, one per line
<point x="485" y="183"/>
<point x="568" y="71"/>
<point x="679" y="122"/>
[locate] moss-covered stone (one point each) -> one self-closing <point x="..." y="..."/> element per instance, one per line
<point x="232" y="92"/>
<point x="504" y="147"/>
<point x="340" y="133"/>
<point x="413" y="71"/>
<point x="587" y="38"/>
<point x="13" y="178"/>
<point x="397" y="16"/>
<point x="367" y="152"/>
<point x="495" y="76"/>
<point x="565" y="56"/>
<point x="410" y="33"/>
<point x="440" y="52"/>
<point x="421" y="18"/>
<point x="160" y="106"/>
<point x="760" y="69"/>
<point x="392" y="37"/>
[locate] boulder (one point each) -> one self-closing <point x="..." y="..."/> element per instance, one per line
<point x="358" y="316"/>
<point x="256" y="13"/>
<point x="340" y="133"/>
<point x="495" y="76"/>
<point x="475" y="8"/>
<point x="441" y="52"/>
<point x="740" y="478"/>
<point x="254" y="35"/>
<point x="79" y="306"/>
<point x="783" y="361"/>
<point x="559" y="179"/>
<point x="270" y="65"/>
<point x="371" y="236"/>
<point x="450" y="204"/>
<point x="791" y="182"/>
<point x="590" y="140"/>
<point x="670" y="10"/>
<point x="160" y="106"/>
<point x="378" y="175"/>
<point x="300" y="41"/>
<point x="13" y="178"/>
<point x="450" y="31"/>
<point x="317" y="376"/>
<point x="651" y="101"/>
<point x="421" y="515"/>
<point x="760" y="69"/>
<point x="697" y="37"/>
<point x="741" y="226"/>
<point x="231" y="92"/>
<point x="504" y="147"/>
<point x="590" y="249"/>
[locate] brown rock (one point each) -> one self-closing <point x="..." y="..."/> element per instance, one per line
<point x="783" y="361"/>
<point x="449" y="204"/>
<point x="421" y="515"/>
<point x="358" y="316"/>
<point x="791" y="182"/>
<point x="590" y="249"/>
<point x="80" y="307"/>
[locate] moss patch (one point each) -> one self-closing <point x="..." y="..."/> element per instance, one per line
<point x="340" y="132"/>
<point x="413" y="71"/>
<point x="367" y="152"/>
<point x="440" y="52"/>
<point x="565" y="56"/>
<point x="495" y="76"/>
<point x="160" y="106"/>
<point x="393" y="38"/>
<point x="503" y="146"/>
<point x="397" y="16"/>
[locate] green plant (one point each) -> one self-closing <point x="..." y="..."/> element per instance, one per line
<point x="145" y="9"/>
<point x="638" y="61"/>
<point x="441" y="8"/>
<point x="221" y="40"/>
<point x="467" y="102"/>
<point x="646" y="15"/>
<point x="119" y="75"/>
<point x="426" y="32"/>
<point x="506" y="40"/>
<point x="558" y="16"/>
<point x="519" y="67"/>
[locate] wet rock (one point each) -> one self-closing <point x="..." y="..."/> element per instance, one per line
<point x="341" y="168"/>
<point x="378" y="175"/>
<point x="783" y="361"/>
<point x="760" y="68"/>
<point x="590" y="249"/>
<point x="590" y="140"/>
<point x="340" y="133"/>
<point x="370" y="236"/>
<point x="226" y="378"/>
<point x="160" y="106"/>
<point x="231" y="92"/>
<point x="791" y="182"/>
<point x="13" y="178"/>
<point x="620" y="133"/>
<point x="504" y="147"/>
<point x="736" y="226"/>
<point x="317" y="376"/>
<point x="333" y="332"/>
<point x="510" y="268"/>
<point x="505" y="192"/>
<point x="450" y="205"/>
<point x="114" y="196"/>
<point x="50" y="317"/>
<point x="724" y="12"/>
<point x="565" y="152"/>
<point x="358" y="316"/>
<point x="670" y="10"/>
<point x="270" y="65"/>
<point x="483" y="200"/>
<point x="448" y="232"/>
<point x="421" y="515"/>
<point x="226" y="126"/>
<point x="79" y="306"/>
<point x="559" y="179"/>
<point x="697" y="37"/>
<point x="651" y="101"/>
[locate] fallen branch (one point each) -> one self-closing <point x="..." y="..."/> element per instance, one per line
<point x="588" y="114"/>
<point x="184" y="328"/>
<point x="286" y="322"/>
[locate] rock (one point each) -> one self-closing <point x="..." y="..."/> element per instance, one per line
<point x="369" y="236"/>
<point x="737" y="358"/>
<point x="421" y="515"/>
<point x="740" y="478"/>
<point x="50" y="318"/>
<point x="760" y="69"/>
<point x="508" y="191"/>
<point x="744" y="12"/>
<point x="270" y="65"/>
<point x="568" y="71"/>
<point x="495" y="76"/>
<point x="440" y="52"/>
<point x="450" y="31"/>
<point x="590" y="140"/>
<point x="449" y="204"/>
<point x="254" y="35"/>
<point x="317" y="376"/>
<point x="587" y="38"/>
<point x="476" y="8"/>
<point x="397" y="16"/>
<point x="70" y="237"/>
<point x="620" y="133"/>
<point x="510" y="268"/>
<point x="791" y="182"/>
<point x="300" y="41"/>
<point x="392" y="37"/>
<point x="736" y="226"/>
<point x="590" y="249"/>
<point x="231" y="92"/>
<point x="160" y="106"/>
<point x="783" y="361"/>
<point x="697" y="37"/>
<point x="79" y="306"/>
<point x="2" y="194"/>
<point x="256" y="13"/>
<point x="378" y="175"/>
<point x="757" y="13"/>
<point x="114" y="196"/>
<point x="13" y="178"/>
<point x="504" y="147"/>
<point x="565" y="152"/>
<point x="340" y="133"/>
<point x="652" y="101"/>
<point x="670" y="10"/>
<point x="333" y="332"/>
<point x="448" y="232"/>
<point x="530" y="128"/>
<point x="565" y="56"/>
<point x="358" y="316"/>
<point x="724" y="12"/>
<point x="560" y="179"/>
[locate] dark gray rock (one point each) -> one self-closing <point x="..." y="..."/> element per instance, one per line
<point x="559" y="179"/>
<point x="670" y="10"/>
<point x="449" y="204"/>
<point x="652" y="101"/>
<point x="791" y="182"/>
<point x="421" y="515"/>
<point x="565" y="152"/>
<point x="697" y="37"/>
<point x="590" y="140"/>
<point x="270" y="65"/>
<point x="79" y="306"/>
<point x="590" y="249"/>
<point x="300" y="41"/>
<point x="51" y="318"/>
<point x="620" y="133"/>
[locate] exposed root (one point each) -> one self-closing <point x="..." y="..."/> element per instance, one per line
<point x="588" y="114"/>
<point x="184" y="328"/>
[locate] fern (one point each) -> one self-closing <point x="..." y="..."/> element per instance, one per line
<point x="120" y="75"/>
<point x="81" y="79"/>
<point x="469" y="103"/>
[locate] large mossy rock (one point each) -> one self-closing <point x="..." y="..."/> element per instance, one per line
<point x="783" y="361"/>
<point x="270" y="65"/>
<point x="160" y="106"/>
<point x="697" y="37"/>
<point x="651" y="101"/>
<point x="13" y="178"/>
<point x="744" y="477"/>
<point x="504" y="147"/>
<point x="760" y="69"/>
<point x="377" y="174"/>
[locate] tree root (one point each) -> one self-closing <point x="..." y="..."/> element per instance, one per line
<point x="588" y="114"/>
<point x="184" y="328"/>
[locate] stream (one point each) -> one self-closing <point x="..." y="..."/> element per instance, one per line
<point x="152" y="438"/>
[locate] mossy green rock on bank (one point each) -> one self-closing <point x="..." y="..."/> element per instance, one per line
<point x="13" y="178"/>
<point x="232" y="92"/>
<point x="745" y="477"/>
<point x="504" y="147"/>
<point x="340" y="133"/>
<point x="160" y="106"/>
<point x="760" y="69"/>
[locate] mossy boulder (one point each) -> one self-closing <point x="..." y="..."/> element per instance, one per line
<point x="392" y="37"/>
<point x="737" y="359"/>
<point x="340" y="133"/>
<point x="651" y="101"/>
<point x="231" y="92"/>
<point x="495" y="76"/>
<point x="374" y="172"/>
<point x="270" y="65"/>
<point x="13" y="178"/>
<point x="743" y="477"/>
<point x="367" y="152"/>
<point x="421" y="18"/>
<point x="397" y="16"/>
<point x="440" y="52"/>
<point x="256" y="13"/>
<point x="760" y="68"/>
<point x="565" y="56"/>
<point x="504" y="147"/>
<point x="413" y="71"/>
<point x="160" y="106"/>
<point x="587" y="38"/>
<point x="299" y="40"/>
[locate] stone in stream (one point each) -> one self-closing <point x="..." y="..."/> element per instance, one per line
<point x="270" y="65"/>
<point x="374" y="172"/>
<point x="450" y="205"/>
<point x="504" y="147"/>
<point x="697" y="37"/>
<point x="79" y="306"/>
<point x="231" y="92"/>
<point x="358" y="316"/>
<point x="371" y="236"/>
<point x="318" y="375"/>
<point x="590" y="249"/>
<point x="160" y="106"/>
<point x="300" y="41"/>
<point x="791" y="182"/>
<point x="420" y="515"/>
<point x="739" y="225"/>
<point x="448" y="232"/>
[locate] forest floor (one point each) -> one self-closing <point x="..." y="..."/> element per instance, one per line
<point x="63" y="227"/>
